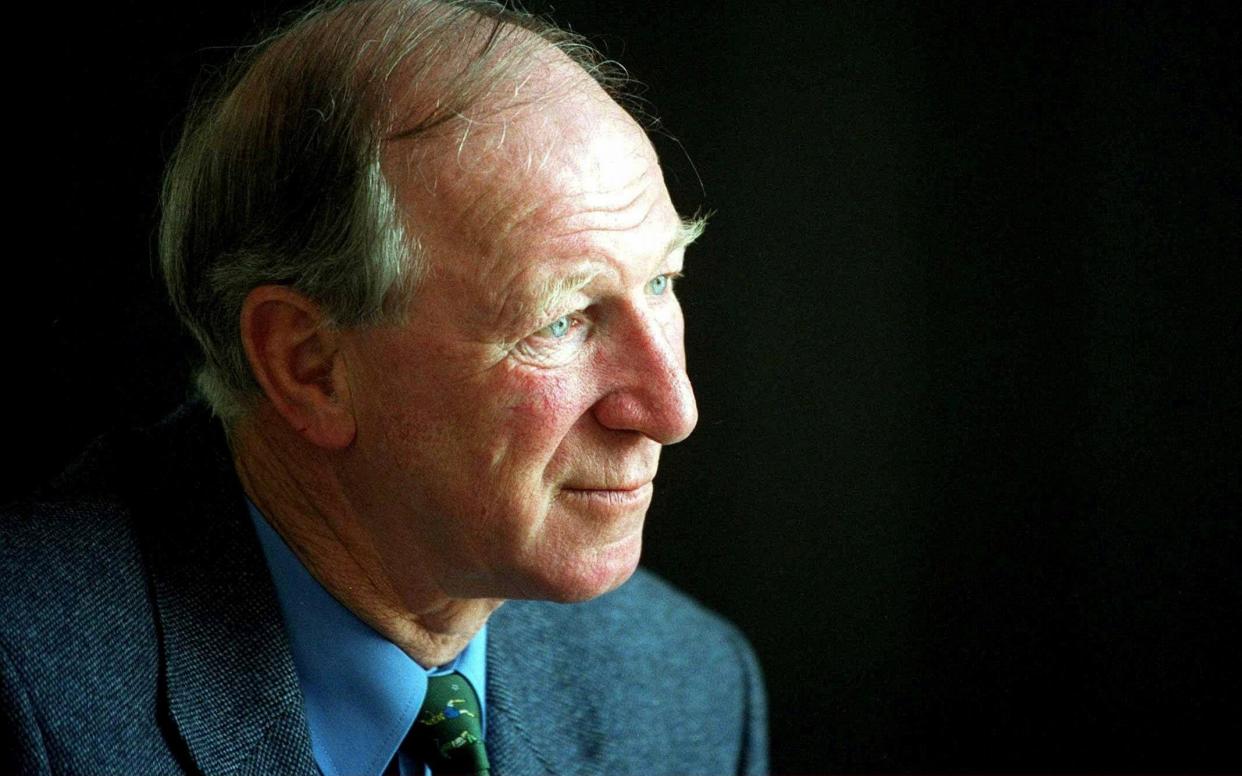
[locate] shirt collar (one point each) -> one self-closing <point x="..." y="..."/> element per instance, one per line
<point x="362" y="692"/>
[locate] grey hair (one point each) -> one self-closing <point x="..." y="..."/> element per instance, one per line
<point x="277" y="178"/>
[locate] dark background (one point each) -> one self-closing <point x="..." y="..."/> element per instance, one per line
<point x="964" y="332"/>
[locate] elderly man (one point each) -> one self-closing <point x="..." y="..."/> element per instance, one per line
<point x="431" y="264"/>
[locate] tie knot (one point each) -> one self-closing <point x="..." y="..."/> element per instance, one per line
<point x="448" y="733"/>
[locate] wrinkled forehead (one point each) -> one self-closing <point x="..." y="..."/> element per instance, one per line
<point x="545" y="136"/>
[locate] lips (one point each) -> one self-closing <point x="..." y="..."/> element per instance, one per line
<point x="608" y="488"/>
<point x="619" y="496"/>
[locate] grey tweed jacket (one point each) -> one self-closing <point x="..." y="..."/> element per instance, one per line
<point x="140" y="634"/>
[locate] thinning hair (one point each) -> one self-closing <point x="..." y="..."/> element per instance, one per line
<point x="277" y="176"/>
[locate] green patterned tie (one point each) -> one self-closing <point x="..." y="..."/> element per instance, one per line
<point x="448" y="735"/>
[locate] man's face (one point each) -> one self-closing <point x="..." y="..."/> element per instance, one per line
<point x="509" y="430"/>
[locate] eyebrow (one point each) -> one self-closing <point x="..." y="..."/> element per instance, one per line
<point x="689" y="230"/>
<point x="553" y="293"/>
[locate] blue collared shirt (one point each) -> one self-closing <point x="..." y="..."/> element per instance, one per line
<point x="362" y="692"/>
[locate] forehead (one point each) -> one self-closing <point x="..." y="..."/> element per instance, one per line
<point x="553" y="179"/>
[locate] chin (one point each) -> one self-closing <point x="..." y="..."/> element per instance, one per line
<point x="596" y="572"/>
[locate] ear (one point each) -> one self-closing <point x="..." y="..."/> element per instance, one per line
<point x="295" y="356"/>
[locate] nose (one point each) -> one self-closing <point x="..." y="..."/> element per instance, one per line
<point x="647" y="389"/>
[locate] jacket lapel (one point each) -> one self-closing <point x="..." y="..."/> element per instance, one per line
<point x="230" y="682"/>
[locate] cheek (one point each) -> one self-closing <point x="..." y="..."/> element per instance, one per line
<point x="541" y="407"/>
<point x="536" y="395"/>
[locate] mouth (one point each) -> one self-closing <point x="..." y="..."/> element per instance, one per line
<point x="623" y="496"/>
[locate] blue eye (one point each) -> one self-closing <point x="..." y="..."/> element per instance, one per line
<point x="658" y="285"/>
<point x="559" y="328"/>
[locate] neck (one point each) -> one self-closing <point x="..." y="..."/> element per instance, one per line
<point x="298" y="489"/>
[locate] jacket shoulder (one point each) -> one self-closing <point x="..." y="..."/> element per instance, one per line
<point x="69" y="555"/>
<point x="77" y="616"/>
<point x="643" y="656"/>
<point x="72" y="569"/>
<point x="645" y="622"/>
<point x="654" y="620"/>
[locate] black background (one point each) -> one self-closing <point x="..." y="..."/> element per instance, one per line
<point x="964" y="333"/>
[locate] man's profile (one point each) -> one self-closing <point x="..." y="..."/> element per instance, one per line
<point x="431" y="265"/>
